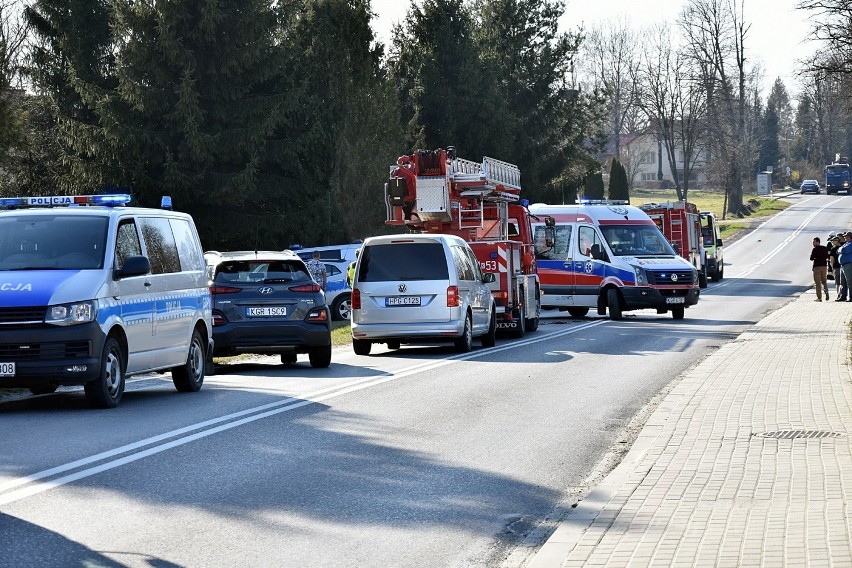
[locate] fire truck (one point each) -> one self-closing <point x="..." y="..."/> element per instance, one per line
<point x="434" y="191"/>
<point x="680" y="222"/>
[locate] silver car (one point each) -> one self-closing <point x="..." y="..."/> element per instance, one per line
<point x="420" y="288"/>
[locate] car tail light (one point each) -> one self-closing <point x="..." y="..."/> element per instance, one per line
<point x="356" y="299"/>
<point x="310" y="288"/>
<point x="317" y="315"/>
<point x="218" y="318"/>
<point x="217" y="289"/>
<point x="452" y="296"/>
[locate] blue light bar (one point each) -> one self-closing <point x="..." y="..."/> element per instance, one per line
<point x="113" y="199"/>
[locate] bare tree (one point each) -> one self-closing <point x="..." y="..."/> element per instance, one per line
<point x="715" y="32"/>
<point x="832" y="26"/>
<point x="674" y="100"/>
<point x="13" y="33"/>
<point x="611" y="60"/>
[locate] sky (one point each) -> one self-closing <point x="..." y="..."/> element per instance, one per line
<point x="777" y="37"/>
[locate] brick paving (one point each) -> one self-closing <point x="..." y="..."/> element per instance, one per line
<point x="746" y="462"/>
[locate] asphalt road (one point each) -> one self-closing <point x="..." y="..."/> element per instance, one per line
<point x="408" y="458"/>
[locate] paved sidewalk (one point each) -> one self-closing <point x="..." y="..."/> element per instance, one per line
<point x="746" y="462"/>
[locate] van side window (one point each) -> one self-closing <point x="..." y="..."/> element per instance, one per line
<point x="474" y="263"/>
<point x="160" y="243"/>
<point x="126" y="243"/>
<point x="188" y="251"/>
<point x="586" y="237"/>
<point x="462" y="262"/>
<point x="559" y="251"/>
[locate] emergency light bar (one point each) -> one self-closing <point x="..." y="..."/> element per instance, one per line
<point x="111" y="200"/>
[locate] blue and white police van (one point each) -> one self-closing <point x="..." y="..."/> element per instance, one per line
<point x="93" y="291"/>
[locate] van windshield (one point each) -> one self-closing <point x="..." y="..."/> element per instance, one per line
<point x="403" y="261"/>
<point x="636" y="240"/>
<point x="52" y="242"/>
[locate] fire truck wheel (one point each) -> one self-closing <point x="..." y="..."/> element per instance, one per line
<point x="361" y="346"/>
<point x="578" y="312"/>
<point x="613" y="300"/>
<point x="677" y="313"/>
<point x="532" y="324"/>
<point x="490" y="338"/>
<point x="465" y="342"/>
<point x="520" y="319"/>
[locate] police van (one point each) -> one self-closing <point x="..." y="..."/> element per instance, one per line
<point x="607" y="255"/>
<point x="93" y="291"/>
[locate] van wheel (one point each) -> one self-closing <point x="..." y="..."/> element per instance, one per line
<point x="341" y="309"/>
<point x="288" y="358"/>
<point x="465" y="342"/>
<point x="190" y="376"/>
<point x="106" y="390"/>
<point x="578" y="312"/>
<point x="490" y="338"/>
<point x="614" y="302"/>
<point x="361" y="346"/>
<point x="520" y="318"/>
<point x="678" y="312"/>
<point x="320" y="357"/>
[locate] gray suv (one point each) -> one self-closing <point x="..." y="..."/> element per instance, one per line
<point x="267" y="303"/>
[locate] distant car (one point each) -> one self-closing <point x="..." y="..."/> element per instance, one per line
<point x="266" y="302"/>
<point x="338" y="294"/>
<point x="809" y="186"/>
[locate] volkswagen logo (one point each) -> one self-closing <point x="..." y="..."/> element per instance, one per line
<point x="265" y="290"/>
<point x="674" y="277"/>
<point x="402" y="288"/>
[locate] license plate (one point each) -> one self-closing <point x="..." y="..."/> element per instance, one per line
<point x="677" y="300"/>
<point x="7" y="369"/>
<point x="266" y="312"/>
<point x="402" y="301"/>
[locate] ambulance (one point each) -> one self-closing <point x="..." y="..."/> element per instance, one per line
<point x="609" y="256"/>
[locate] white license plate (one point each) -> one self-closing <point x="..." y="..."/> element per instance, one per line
<point x="7" y="369"/>
<point x="677" y="300"/>
<point x="402" y="301"/>
<point x="266" y="312"/>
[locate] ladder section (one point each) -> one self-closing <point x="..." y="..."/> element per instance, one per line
<point x="492" y="179"/>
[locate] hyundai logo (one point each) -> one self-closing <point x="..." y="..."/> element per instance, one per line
<point x="402" y="288"/>
<point x="265" y="290"/>
<point x="674" y="277"/>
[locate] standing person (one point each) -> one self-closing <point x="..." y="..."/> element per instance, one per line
<point x="829" y="244"/>
<point x="350" y="272"/>
<point x="834" y="263"/>
<point x="845" y="258"/>
<point x="317" y="270"/>
<point x="819" y="255"/>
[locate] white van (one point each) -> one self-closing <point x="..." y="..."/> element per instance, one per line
<point x="609" y="256"/>
<point x="94" y="291"/>
<point x="420" y="288"/>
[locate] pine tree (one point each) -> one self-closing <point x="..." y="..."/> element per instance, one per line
<point x="594" y="186"/>
<point x="618" y="186"/>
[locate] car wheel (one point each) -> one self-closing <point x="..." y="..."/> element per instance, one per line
<point x="288" y="358"/>
<point x="614" y="302"/>
<point x="341" y="309"/>
<point x="578" y="312"/>
<point x="394" y="345"/>
<point x="320" y="357"/>
<point x="361" y="346"/>
<point x="43" y="389"/>
<point x="678" y="312"/>
<point x="490" y="338"/>
<point x="190" y="376"/>
<point x="465" y="342"/>
<point x="106" y="390"/>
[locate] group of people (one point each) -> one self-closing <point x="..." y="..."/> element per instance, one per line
<point x="835" y="255"/>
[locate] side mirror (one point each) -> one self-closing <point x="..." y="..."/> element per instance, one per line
<point x="134" y="266"/>
<point x="718" y="242"/>
<point x="488" y="278"/>
<point x="549" y="236"/>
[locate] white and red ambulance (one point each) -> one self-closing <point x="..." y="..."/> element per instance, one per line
<point x="610" y="256"/>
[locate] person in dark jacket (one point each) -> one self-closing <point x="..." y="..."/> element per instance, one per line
<point x="844" y="255"/>
<point x="834" y="263"/>
<point x="819" y="256"/>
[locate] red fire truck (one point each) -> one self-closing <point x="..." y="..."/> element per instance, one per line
<point x="434" y="191"/>
<point x="680" y="222"/>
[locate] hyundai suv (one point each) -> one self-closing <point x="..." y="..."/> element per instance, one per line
<point x="267" y="303"/>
